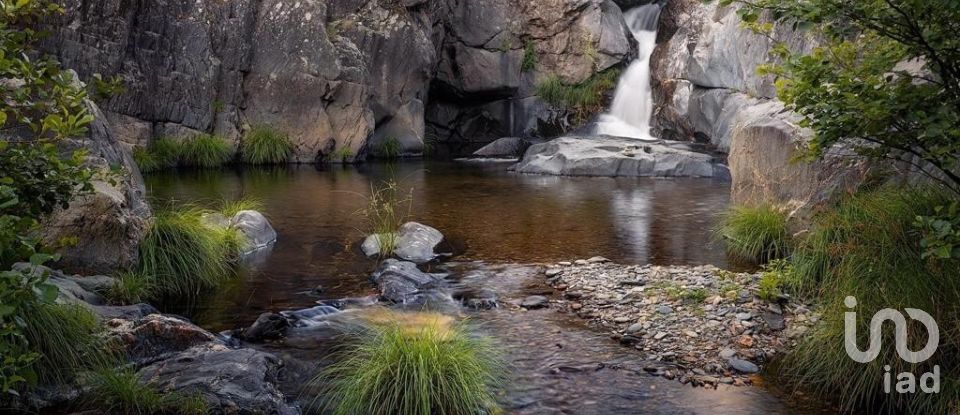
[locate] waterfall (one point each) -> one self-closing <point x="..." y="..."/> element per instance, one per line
<point x="632" y="106"/>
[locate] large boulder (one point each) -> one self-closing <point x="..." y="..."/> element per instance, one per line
<point x="231" y="381"/>
<point x="107" y="224"/>
<point x="613" y="157"/>
<point x="255" y="228"/>
<point x="400" y="281"/>
<point x="707" y="89"/>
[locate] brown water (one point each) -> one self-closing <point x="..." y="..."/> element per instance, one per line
<point x="486" y="212"/>
<point x="492" y="218"/>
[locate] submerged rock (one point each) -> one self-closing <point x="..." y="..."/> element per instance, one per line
<point x="399" y="281"/>
<point x="535" y="301"/>
<point x="269" y="326"/>
<point x="415" y="242"/>
<point x="613" y="157"/>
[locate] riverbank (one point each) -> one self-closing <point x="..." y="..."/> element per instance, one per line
<point x="700" y="325"/>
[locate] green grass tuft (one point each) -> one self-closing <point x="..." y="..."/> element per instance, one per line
<point x="584" y="98"/>
<point x="265" y="145"/>
<point x="121" y="391"/>
<point x="755" y="233"/>
<point x="184" y="255"/>
<point x="130" y="288"/>
<point x="430" y="370"/>
<point x="869" y="248"/>
<point x="205" y="150"/>
<point x="67" y="337"/>
<point x="529" y="57"/>
<point x="391" y="148"/>
<point x="387" y="210"/>
<point x="229" y="208"/>
<point x="146" y="160"/>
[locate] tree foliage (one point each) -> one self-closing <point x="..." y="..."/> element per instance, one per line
<point x="41" y="105"/>
<point x="885" y="81"/>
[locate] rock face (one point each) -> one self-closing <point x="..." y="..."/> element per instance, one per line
<point x="109" y="222"/>
<point x="338" y="76"/>
<point x="612" y="157"/>
<point x="706" y="88"/>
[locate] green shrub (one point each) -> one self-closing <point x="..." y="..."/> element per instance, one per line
<point x="265" y="145"/>
<point x="185" y="256"/>
<point x="399" y="370"/>
<point x="130" y="288"/>
<point x="67" y="339"/>
<point x="869" y="248"/>
<point x="121" y="391"/>
<point x="529" y="57"/>
<point x="205" y="150"/>
<point x="340" y="155"/>
<point x="755" y="233"/>
<point x="775" y="275"/>
<point x="584" y="98"/>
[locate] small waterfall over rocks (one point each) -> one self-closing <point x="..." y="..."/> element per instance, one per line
<point x="632" y="106"/>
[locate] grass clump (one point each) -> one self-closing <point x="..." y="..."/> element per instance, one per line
<point x="391" y="148"/>
<point x="130" y="287"/>
<point x="67" y="339"/>
<point x="775" y="275"/>
<point x="164" y="153"/>
<point x="120" y="391"/>
<point x="265" y="145"/>
<point x="340" y="155"/>
<point x="205" y="150"/>
<point x="229" y="208"/>
<point x="433" y="369"/>
<point x="184" y="255"/>
<point x="584" y="98"/>
<point x="529" y="62"/>
<point x="386" y="211"/>
<point x="755" y="233"/>
<point x="869" y="248"/>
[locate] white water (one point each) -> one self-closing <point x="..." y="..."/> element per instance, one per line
<point x="632" y="106"/>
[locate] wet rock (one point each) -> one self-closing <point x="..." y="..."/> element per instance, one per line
<point x="125" y="312"/>
<point x="506" y="147"/>
<point x="255" y="227"/>
<point x="269" y="326"/>
<point x="534" y="302"/>
<point x="237" y="381"/>
<point x="415" y="242"/>
<point x="553" y="272"/>
<point x="482" y="299"/>
<point x="399" y="280"/>
<point x="603" y="156"/>
<point x="743" y="366"/>
<point x="156" y="336"/>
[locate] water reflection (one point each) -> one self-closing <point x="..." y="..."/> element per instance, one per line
<point x="483" y="210"/>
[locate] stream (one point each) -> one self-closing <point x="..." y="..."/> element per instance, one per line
<point x="491" y="219"/>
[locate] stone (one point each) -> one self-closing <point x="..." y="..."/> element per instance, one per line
<point x="399" y="281"/>
<point x="255" y="227"/>
<point x="268" y="326"/>
<point x="506" y="147"/>
<point x="664" y="309"/>
<point x="534" y="302"/>
<point x="744" y="316"/>
<point x="602" y="156"/>
<point x="157" y="336"/>
<point x="597" y="260"/>
<point x="242" y="381"/>
<point x="552" y="272"/>
<point x="635" y="328"/>
<point x="727" y="353"/>
<point x="774" y="320"/>
<point x="743" y="366"/>
<point x="660" y="335"/>
<point x="414" y="242"/>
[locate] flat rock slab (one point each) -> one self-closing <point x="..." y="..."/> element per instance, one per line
<point x="619" y="157"/>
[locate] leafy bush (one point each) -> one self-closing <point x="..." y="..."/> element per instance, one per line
<point x="941" y="232"/>
<point x="184" y="255"/>
<point x="755" y="233"/>
<point x="205" y="150"/>
<point x="120" y="391"/>
<point x="775" y="275"/>
<point x="430" y="370"/>
<point x="584" y="98"/>
<point x="868" y="248"/>
<point x="265" y="145"/>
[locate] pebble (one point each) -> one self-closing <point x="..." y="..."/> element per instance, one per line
<point x="727" y="353"/>
<point x="660" y="335"/>
<point x="743" y="366"/>
<point x="535" y="301"/>
<point x="664" y="309"/>
<point x="597" y="260"/>
<point x="635" y="328"/>
<point x="553" y="272"/>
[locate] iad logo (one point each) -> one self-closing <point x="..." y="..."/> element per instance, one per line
<point x="906" y="381"/>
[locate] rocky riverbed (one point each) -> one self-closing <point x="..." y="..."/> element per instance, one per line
<point x="699" y="325"/>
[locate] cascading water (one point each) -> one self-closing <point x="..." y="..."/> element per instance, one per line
<point x="629" y="115"/>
